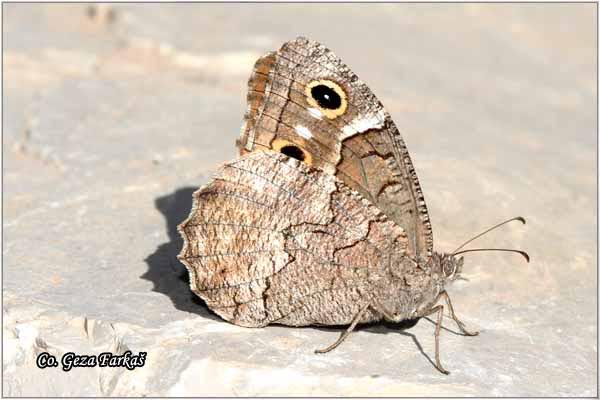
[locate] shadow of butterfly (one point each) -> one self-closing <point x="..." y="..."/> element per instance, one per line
<point x="321" y="220"/>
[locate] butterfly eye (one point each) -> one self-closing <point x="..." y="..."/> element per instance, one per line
<point x="328" y="97"/>
<point x="292" y="150"/>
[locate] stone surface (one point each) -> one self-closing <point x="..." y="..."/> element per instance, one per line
<point x="114" y="115"/>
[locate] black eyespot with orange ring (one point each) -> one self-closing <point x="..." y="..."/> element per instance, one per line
<point x="328" y="97"/>
<point x="292" y="150"/>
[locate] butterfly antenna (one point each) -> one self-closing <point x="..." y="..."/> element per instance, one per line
<point x="488" y="230"/>
<point x="524" y="254"/>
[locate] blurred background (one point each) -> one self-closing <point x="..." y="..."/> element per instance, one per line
<point x="115" y="113"/>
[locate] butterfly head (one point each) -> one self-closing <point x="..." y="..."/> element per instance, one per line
<point x="446" y="267"/>
<point x="452" y="267"/>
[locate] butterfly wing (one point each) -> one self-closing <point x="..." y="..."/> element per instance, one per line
<point x="270" y="240"/>
<point x="305" y="102"/>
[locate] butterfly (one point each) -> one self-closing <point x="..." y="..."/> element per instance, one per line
<point x="321" y="220"/>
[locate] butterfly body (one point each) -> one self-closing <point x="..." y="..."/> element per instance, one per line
<point x="272" y="240"/>
<point x="321" y="220"/>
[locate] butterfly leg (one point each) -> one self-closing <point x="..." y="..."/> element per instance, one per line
<point x="460" y="324"/>
<point x="388" y="315"/>
<point x="345" y="334"/>
<point x="438" y="326"/>
<point x="440" y="310"/>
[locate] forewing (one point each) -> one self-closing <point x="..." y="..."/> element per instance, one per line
<point x="358" y="142"/>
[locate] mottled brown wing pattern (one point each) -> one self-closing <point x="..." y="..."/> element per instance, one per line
<point x="357" y="141"/>
<point x="271" y="240"/>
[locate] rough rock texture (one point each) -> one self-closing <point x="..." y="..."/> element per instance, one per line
<point x="114" y="115"/>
